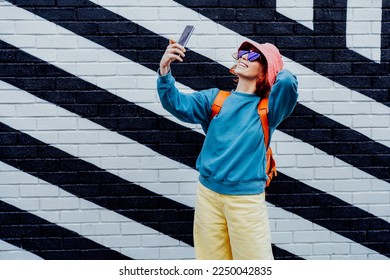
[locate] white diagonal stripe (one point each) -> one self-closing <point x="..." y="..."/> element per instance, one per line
<point x="323" y="180"/>
<point x="29" y="99"/>
<point x="298" y="10"/>
<point x="136" y="83"/>
<point x="216" y="42"/>
<point x="136" y="163"/>
<point x="110" y="229"/>
<point x="364" y="28"/>
<point x="90" y="154"/>
<point x="92" y="221"/>
<point x="11" y="252"/>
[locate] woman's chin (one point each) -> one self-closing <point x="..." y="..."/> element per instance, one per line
<point x="244" y="74"/>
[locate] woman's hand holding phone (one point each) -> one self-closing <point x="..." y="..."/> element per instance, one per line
<point x="173" y="52"/>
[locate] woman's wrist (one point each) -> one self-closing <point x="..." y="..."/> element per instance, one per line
<point x="164" y="70"/>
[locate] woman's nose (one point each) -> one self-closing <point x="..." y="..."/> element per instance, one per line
<point x="245" y="56"/>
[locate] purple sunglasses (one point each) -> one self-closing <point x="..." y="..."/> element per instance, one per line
<point x="252" y="55"/>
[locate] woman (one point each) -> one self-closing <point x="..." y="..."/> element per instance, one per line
<point x="231" y="219"/>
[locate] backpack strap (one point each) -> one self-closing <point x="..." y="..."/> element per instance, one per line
<point x="262" y="109"/>
<point x="218" y="102"/>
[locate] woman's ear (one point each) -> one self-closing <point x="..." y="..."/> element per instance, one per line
<point x="232" y="70"/>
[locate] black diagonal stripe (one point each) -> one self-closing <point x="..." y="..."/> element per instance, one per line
<point x="91" y="183"/>
<point x="330" y="212"/>
<point x="70" y="92"/>
<point x="340" y="141"/>
<point x="385" y="39"/>
<point x="283" y="254"/>
<point x="48" y="240"/>
<point x="172" y="218"/>
<point x="140" y="45"/>
<point x="321" y="50"/>
<point x="330" y="19"/>
<point x="177" y="152"/>
<point x="185" y="149"/>
<point x="94" y="184"/>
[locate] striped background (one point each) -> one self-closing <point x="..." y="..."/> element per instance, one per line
<point x="92" y="167"/>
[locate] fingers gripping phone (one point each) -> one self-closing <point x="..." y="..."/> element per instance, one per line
<point x="185" y="36"/>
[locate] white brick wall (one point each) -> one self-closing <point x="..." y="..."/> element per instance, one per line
<point x="132" y="161"/>
<point x="299" y="10"/>
<point x="364" y="28"/>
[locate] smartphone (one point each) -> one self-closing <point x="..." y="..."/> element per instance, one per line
<point x="185" y="36"/>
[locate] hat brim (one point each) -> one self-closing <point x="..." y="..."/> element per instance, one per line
<point x="247" y="45"/>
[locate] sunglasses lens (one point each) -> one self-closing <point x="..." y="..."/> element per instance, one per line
<point x="252" y="56"/>
<point x="242" y="53"/>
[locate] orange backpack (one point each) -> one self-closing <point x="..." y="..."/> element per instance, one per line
<point x="262" y="110"/>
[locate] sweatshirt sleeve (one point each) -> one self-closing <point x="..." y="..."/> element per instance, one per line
<point x="282" y="99"/>
<point x="192" y="108"/>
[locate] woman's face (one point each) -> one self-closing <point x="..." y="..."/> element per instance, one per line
<point x="249" y="69"/>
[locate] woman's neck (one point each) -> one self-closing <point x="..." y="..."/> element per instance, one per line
<point x="246" y="86"/>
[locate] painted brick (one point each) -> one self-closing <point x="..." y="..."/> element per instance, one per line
<point x="294" y="148"/>
<point x="303" y="249"/>
<point x="282" y="237"/>
<point x="372" y="198"/>
<point x="140" y="175"/>
<point x="74" y="137"/>
<point x="7" y="13"/>
<point x="58" y="124"/>
<point x="9" y="191"/>
<point x="329" y="248"/>
<point x="24" y="203"/>
<point x="175" y="175"/>
<point x="327" y="173"/>
<point x="164" y="13"/>
<point x="377" y="121"/>
<point x="291" y="224"/>
<point x="342" y="94"/>
<point x="112" y="163"/>
<point x="50" y="41"/>
<point x="33" y="27"/>
<point x="34" y="110"/>
<point x="365" y="14"/>
<point x="18" y="255"/>
<point x="157" y="163"/>
<point x="79" y="216"/>
<point x="10" y="177"/>
<point x="7" y="27"/>
<point x="98" y="150"/>
<point x="142" y="253"/>
<point x="129" y="228"/>
<point x="313" y="160"/>
<point x="62" y="203"/>
<point x="311" y="237"/>
<point x="76" y="56"/>
<point x="286" y="161"/>
<point x="7" y="110"/>
<point x="133" y="150"/>
<point x="153" y="240"/>
<point x="121" y="241"/>
<point x="177" y="253"/>
<point x="381" y="210"/>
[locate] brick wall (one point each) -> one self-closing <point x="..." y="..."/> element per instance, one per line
<point x="92" y="166"/>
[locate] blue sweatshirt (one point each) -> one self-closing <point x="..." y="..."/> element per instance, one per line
<point x="232" y="160"/>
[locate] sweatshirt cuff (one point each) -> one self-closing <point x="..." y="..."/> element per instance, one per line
<point x="165" y="78"/>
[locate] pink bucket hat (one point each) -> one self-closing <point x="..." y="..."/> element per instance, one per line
<point x="271" y="54"/>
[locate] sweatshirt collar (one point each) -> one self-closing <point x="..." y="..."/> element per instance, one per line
<point x="244" y="94"/>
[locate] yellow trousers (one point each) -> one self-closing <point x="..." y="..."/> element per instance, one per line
<point x="230" y="227"/>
